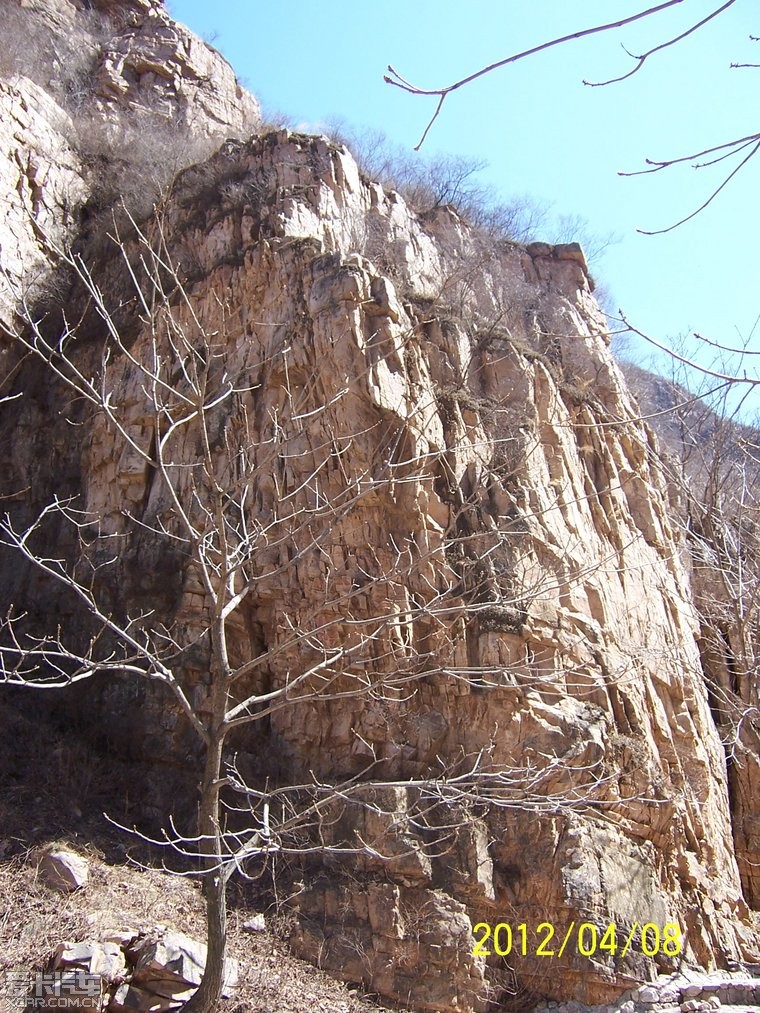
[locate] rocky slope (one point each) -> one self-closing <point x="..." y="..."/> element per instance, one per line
<point x="100" y="101"/>
<point x="508" y="545"/>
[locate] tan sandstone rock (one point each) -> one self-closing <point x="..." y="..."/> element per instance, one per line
<point x="466" y="393"/>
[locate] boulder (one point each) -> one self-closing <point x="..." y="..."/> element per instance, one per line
<point x="63" y="870"/>
<point x="171" y="964"/>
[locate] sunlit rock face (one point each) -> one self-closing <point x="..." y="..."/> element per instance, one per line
<point x="100" y="101"/>
<point x="508" y="540"/>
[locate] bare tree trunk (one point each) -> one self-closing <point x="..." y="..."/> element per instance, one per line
<point x="208" y="994"/>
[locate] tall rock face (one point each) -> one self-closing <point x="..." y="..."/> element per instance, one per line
<point x="509" y="535"/>
<point x="712" y="459"/>
<point x="98" y="102"/>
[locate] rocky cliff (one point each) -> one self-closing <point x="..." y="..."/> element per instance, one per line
<point x="508" y="530"/>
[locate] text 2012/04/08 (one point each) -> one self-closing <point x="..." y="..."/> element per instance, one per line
<point x="585" y="938"/>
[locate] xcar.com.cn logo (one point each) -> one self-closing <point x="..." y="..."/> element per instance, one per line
<point x="52" y="990"/>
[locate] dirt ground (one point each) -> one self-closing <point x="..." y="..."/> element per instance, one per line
<point x="55" y="788"/>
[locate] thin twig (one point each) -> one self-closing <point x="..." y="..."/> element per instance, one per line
<point x="641" y="59"/>
<point x="394" y="78"/>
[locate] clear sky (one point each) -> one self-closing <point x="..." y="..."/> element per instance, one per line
<point x="540" y="129"/>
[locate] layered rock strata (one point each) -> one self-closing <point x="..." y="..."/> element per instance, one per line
<point x="509" y="524"/>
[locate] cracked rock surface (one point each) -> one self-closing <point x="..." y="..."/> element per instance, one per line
<point x="485" y="369"/>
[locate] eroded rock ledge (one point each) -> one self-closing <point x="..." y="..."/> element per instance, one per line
<point x="489" y="364"/>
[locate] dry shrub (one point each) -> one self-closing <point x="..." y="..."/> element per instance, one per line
<point x="61" y="62"/>
<point x="429" y="183"/>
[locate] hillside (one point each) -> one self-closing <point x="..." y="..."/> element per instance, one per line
<point x="334" y="519"/>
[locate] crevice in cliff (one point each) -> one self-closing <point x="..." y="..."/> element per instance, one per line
<point x="736" y="723"/>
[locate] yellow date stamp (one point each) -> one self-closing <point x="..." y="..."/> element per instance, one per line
<point x="583" y="938"/>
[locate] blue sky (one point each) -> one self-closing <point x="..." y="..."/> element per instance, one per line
<point x="540" y="129"/>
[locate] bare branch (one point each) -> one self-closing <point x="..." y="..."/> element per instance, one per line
<point x="710" y="199"/>
<point x="728" y="378"/>
<point x="641" y="60"/>
<point x="394" y="78"/>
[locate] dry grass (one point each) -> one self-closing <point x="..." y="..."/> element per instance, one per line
<point x="33" y="920"/>
<point x="119" y="898"/>
<point x="48" y="779"/>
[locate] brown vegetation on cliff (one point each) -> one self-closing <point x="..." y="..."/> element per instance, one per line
<point x="367" y="493"/>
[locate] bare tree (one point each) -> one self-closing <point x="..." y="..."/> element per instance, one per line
<point x="237" y="520"/>
<point x="710" y="457"/>
<point x="723" y="525"/>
